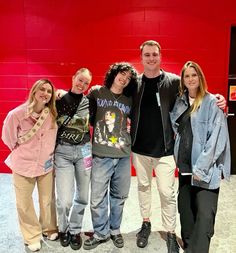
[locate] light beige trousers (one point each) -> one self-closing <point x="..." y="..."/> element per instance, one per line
<point x="31" y="226"/>
<point x="164" y="168"/>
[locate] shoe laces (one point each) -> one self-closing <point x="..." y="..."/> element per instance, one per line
<point x="76" y="236"/>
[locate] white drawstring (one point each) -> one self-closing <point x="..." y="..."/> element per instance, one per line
<point x="45" y="241"/>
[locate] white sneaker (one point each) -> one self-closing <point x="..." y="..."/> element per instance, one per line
<point x="35" y="246"/>
<point x="52" y="237"/>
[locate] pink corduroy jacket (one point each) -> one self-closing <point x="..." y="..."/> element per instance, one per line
<point x="34" y="157"/>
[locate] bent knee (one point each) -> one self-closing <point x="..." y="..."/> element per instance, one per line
<point x="121" y="196"/>
<point x="64" y="204"/>
<point x="168" y="193"/>
<point x="143" y="188"/>
<point x="81" y="201"/>
<point x="206" y="216"/>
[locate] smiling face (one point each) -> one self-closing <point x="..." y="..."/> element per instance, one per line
<point x="151" y="58"/>
<point x="44" y="93"/>
<point x="122" y="79"/>
<point x="191" y="81"/>
<point x="80" y="82"/>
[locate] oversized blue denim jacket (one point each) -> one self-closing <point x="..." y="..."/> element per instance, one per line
<point x="211" y="147"/>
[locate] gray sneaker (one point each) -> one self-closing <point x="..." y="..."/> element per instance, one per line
<point x="93" y="242"/>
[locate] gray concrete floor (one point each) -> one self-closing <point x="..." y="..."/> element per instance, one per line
<point x="224" y="240"/>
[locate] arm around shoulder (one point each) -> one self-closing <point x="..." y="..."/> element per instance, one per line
<point x="220" y="101"/>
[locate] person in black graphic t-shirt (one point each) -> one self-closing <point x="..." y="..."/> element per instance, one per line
<point x="110" y="107"/>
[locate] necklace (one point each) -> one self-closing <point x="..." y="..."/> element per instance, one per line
<point x="116" y="96"/>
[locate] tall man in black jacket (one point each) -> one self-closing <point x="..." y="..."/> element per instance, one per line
<point x="153" y="142"/>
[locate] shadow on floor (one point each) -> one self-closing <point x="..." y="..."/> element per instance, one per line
<point x="156" y="244"/>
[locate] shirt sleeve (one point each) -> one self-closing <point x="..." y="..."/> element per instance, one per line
<point x="92" y="106"/>
<point x="214" y="146"/>
<point x="9" y="130"/>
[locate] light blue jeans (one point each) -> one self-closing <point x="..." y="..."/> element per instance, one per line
<point x="110" y="184"/>
<point x="73" y="170"/>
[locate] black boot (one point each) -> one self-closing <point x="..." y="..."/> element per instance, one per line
<point x="172" y="245"/>
<point x="143" y="234"/>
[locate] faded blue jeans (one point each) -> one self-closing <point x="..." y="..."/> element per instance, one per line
<point x="73" y="170"/>
<point x="110" y="184"/>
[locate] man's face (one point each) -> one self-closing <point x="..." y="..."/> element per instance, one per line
<point x="151" y="58"/>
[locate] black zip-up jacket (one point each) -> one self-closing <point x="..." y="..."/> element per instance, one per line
<point x="168" y="91"/>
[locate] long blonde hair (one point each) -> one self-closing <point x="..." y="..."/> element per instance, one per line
<point x="202" y="89"/>
<point x="31" y="101"/>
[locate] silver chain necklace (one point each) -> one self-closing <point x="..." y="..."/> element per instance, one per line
<point x="116" y="96"/>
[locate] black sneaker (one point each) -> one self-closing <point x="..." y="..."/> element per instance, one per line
<point x="93" y="242"/>
<point x="171" y="242"/>
<point x="76" y="241"/>
<point x="143" y="234"/>
<point x="118" y="240"/>
<point x="64" y="238"/>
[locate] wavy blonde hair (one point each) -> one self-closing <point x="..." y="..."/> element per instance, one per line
<point x="202" y="89"/>
<point x="31" y="101"/>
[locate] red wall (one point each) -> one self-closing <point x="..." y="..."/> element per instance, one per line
<point x="53" y="38"/>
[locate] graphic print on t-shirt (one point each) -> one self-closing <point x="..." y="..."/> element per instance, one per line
<point x="108" y="129"/>
<point x="76" y="128"/>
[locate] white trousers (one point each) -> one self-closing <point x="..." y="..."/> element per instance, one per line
<point x="164" y="168"/>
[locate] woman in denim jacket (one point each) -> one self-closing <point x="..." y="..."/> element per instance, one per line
<point x="202" y="154"/>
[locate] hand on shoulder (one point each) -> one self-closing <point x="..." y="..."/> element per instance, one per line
<point x="220" y="101"/>
<point x="60" y="93"/>
<point x="95" y="87"/>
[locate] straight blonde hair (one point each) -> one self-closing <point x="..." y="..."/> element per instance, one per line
<point x="202" y="89"/>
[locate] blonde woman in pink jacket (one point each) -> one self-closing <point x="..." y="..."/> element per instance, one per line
<point x="30" y="132"/>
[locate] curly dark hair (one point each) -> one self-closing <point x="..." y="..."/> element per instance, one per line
<point x="121" y="67"/>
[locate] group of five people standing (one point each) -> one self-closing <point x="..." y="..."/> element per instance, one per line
<point x="156" y="102"/>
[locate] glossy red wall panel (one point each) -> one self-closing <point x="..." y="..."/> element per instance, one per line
<point x="52" y="39"/>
